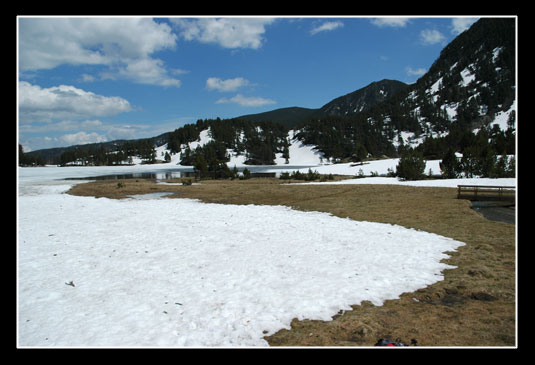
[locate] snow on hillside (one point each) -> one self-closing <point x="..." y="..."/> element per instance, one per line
<point x="502" y="118"/>
<point x="308" y="155"/>
<point x="467" y="76"/>
<point x="300" y="154"/>
<point x="176" y="272"/>
<point x="204" y="138"/>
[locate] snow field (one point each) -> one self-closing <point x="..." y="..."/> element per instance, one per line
<point x="177" y="272"/>
<point x="441" y="183"/>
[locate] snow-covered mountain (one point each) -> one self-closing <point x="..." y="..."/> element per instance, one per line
<point x="470" y="86"/>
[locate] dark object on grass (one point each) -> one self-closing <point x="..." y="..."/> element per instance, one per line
<point x="387" y="343"/>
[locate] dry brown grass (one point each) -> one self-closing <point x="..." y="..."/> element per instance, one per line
<point x="473" y="306"/>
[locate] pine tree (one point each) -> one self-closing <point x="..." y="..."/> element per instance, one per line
<point x="234" y="173"/>
<point x="411" y="166"/>
<point x="200" y="166"/>
<point x="246" y="174"/>
<point x="286" y="152"/>
<point x="449" y="165"/>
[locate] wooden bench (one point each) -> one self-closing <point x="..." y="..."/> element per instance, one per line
<point x="485" y="192"/>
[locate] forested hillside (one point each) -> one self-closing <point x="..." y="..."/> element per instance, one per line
<point x="465" y="105"/>
<point x="258" y="141"/>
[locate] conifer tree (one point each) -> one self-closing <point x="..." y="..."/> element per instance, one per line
<point x="411" y="165"/>
<point x="449" y="165"/>
<point x="200" y="166"/>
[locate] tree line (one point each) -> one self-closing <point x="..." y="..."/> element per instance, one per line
<point x="29" y="160"/>
<point x="121" y="153"/>
<point x="257" y="141"/>
<point x="487" y="153"/>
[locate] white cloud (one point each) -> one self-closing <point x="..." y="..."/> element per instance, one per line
<point x="431" y="36"/>
<point x="69" y="132"/>
<point x="131" y="131"/>
<point x="82" y="138"/>
<point x="459" y="25"/>
<point x="415" y="72"/>
<point x="390" y="22"/>
<point x="62" y="126"/>
<point x="119" y="43"/>
<point x="215" y="83"/>
<point x="148" y="71"/>
<point x="327" y="26"/>
<point x="248" y="101"/>
<point x="87" y="78"/>
<point x="65" y="102"/>
<point x="227" y="32"/>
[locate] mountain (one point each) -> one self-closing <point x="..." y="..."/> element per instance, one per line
<point x="470" y="88"/>
<point x="471" y="82"/>
<point x="53" y="155"/>
<point x="285" y="116"/>
<point x="355" y="102"/>
<point x="362" y="99"/>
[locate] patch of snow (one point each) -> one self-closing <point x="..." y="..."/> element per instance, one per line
<point x="435" y="87"/>
<point x="178" y="272"/>
<point x="496" y="53"/>
<point x="235" y="159"/>
<point x="442" y="183"/>
<point x="204" y="138"/>
<point x="379" y="167"/>
<point x="467" y="76"/>
<point x="451" y="110"/>
<point x="300" y="154"/>
<point x="149" y="196"/>
<point x="502" y="118"/>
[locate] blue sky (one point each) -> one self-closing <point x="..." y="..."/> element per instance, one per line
<point x="84" y="80"/>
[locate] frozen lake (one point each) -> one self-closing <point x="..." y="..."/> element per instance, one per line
<point x="178" y="172"/>
<point x="157" y="171"/>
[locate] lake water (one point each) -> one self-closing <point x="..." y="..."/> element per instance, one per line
<point x="496" y="210"/>
<point x="179" y="172"/>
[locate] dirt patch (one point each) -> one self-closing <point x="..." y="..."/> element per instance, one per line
<point x="473" y="306"/>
